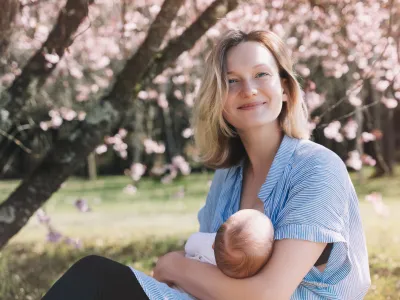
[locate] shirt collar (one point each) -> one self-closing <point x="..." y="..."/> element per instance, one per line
<point x="280" y="162"/>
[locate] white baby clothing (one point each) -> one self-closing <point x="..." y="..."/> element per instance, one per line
<point x="199" y="247"/>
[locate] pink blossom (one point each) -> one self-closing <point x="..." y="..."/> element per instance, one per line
<point x="44" y="125"/>
<point x="354" y="160"/>
<point x="153" y="147"/>
<point x="189" y="99"/>
<point x="367" y="137"/>
<point x="303" y="70"/>
<point x="101" y="63"/>
<point x="179" y="162"/>
<point x="52" y="58"/>
<point x="160" y="79"/>
<point x="153" y="94"/>
<point x="67" y="113"/>
<point x="162" y="101"/>
<point x="355" y="100"/>
<point x="123" y="154"/>
<point x="122" y="132"/>
<point x="101" y="149"/>
<point x="143" y="95"/>
<point x="332" y="130"/>
<point x="313" y="100"/>
<point x="368" y="160"/>
<point x="179" y="79"/>
<point x="120" y="146"/>
<point x="350" y="129"/>
<point x="389" y="102"/>
<point x="56" y="121"/>
<point x="382" y="85"/>
<point x="187" y="133"/>
<point x="81" y="115"/>
<point x="137" y="171"/>
<point x="178" y="94"/>
<point x="76" y="73"/>
<point x="7" y="78"/>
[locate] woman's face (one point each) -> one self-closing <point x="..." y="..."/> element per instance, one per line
<point x="255" y="92"/>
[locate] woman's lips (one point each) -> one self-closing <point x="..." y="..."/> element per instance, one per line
<point x="250" y="106"/>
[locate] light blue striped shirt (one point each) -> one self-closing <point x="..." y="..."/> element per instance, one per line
<point x="308" y="195"/>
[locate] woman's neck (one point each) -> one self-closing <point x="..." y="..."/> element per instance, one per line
<point x="261" y="146"/>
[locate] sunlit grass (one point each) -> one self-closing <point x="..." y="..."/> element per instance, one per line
<point x="136" y="229"/>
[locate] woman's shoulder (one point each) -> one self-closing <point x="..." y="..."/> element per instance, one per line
<point x="312" y="160"/>
<point x="314" y="154"/>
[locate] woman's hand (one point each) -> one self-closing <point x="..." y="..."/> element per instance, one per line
<point x="167" y="265"/>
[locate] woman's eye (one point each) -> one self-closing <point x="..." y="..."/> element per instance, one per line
<point x="232" y="80"/>
<point x="262" y="74"/>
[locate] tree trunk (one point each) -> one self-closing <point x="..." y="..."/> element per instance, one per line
<point x="91" y="164"/>
<point x="389" y="141"/>
<point x="359" y="143"/>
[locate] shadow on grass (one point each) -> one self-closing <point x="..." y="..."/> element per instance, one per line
<point x="26" y="273"/>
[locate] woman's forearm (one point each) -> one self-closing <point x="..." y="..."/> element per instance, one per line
<point x="207" y="282"/>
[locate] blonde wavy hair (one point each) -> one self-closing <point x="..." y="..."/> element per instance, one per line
<point x="216" y="139"/>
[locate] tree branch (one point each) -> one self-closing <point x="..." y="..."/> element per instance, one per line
<point x="7" y="14"/>
<point x="122" y="92"/>
<point x="38" y="68"/>
<point x="217" y="10"/>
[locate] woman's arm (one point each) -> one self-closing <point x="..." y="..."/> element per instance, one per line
<point x="291" y="260"/>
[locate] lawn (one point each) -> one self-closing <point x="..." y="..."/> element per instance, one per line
<point x="136" y="229"/>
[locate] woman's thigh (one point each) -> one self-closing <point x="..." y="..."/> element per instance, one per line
<point x="97" y="278"/>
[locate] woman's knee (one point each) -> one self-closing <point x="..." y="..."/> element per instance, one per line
<point x="88" y="261"/>
<point x="91" y="264"/>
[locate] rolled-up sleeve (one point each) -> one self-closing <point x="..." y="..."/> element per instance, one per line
<point x="317" y="207"/>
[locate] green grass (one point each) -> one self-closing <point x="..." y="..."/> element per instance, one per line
<point x="136" y="229"/>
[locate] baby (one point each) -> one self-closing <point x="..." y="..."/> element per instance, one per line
<point x="241" y="246"/>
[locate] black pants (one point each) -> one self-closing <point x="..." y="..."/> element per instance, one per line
<point x="97" y="278"/>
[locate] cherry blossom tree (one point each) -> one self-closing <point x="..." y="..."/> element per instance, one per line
<point x="124" y="77"/>
<point x="108" y="114"/>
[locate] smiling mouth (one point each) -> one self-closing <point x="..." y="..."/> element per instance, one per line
<point x="251" y="105"/>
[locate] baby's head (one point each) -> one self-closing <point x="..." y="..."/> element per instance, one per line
<point x="243" y="244"/>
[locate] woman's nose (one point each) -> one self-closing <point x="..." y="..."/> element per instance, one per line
<point x="248" y="89"/>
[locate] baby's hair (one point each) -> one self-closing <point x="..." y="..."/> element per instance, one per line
<point x="241" y="249"/>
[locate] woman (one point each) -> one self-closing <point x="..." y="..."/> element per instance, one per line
<point x="251" y="125"/>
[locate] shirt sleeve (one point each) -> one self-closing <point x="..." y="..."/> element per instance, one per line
<point x="317" y="208"/>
